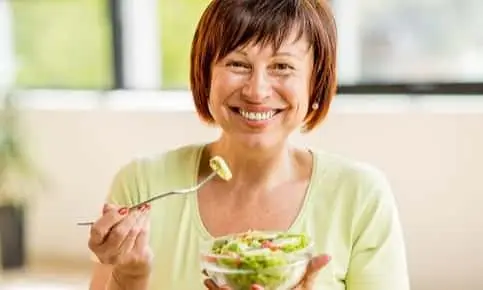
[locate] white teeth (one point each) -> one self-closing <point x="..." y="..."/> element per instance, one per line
<point x="257" y="116"/>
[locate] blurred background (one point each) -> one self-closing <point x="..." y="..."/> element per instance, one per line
<point x="86" y="85"/>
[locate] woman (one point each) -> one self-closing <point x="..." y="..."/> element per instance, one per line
<point x="260" y="69"/>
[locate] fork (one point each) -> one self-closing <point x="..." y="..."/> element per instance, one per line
<point x="165" y="194"/>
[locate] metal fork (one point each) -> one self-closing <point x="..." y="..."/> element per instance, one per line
<point x="163" y="195"/>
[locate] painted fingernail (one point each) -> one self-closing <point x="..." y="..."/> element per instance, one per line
<point x="327" y="258"/>
<point x="256" y="287"/>
<point x="123" y="211"/>
<point x="144" y="207"/>
<point x="320" y="261"/>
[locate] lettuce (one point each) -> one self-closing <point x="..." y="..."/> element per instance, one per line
<point x="258" y="258"/>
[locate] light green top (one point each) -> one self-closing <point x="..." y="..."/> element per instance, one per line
<point x="349" y="211"/>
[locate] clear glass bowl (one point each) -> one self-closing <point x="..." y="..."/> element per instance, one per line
<point x="269" y="267"/>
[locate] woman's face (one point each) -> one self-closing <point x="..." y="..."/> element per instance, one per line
<point x="259" y="96"/>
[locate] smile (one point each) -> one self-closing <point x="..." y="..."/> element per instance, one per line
<point x="257" y="116"/>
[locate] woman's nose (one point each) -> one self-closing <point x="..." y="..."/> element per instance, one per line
<point x="257" y="87"/>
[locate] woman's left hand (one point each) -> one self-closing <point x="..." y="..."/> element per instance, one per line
<point x="316" y="264"/>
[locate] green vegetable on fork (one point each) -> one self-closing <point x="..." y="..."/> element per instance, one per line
<point x="220" y="167"/>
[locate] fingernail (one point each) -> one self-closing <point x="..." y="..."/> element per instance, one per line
<point x="105" y="208"/>
<point x="326" y="259"/>
<point x="145" y="207"/>
<point x="256" y="287"/>
<point x="123" y="211"/>
<point x="321" y="261"/>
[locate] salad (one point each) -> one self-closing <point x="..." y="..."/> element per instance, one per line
<point x="266" y="259"/>
<point x="219" y="166"/>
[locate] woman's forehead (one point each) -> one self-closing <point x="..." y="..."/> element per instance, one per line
<point x="290" y="46"/>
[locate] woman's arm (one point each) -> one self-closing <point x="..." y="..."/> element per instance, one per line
<point x="104" y="278"/>
<point x="124" y="281"/>
<point x="100" y="276"/>
<point x="124" y="190"/>
<point x="378" y="260"/>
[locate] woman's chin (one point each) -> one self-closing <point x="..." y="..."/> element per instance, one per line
<point x="258" y="142"/>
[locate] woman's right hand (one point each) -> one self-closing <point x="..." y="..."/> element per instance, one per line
<point x="121" y="238"/>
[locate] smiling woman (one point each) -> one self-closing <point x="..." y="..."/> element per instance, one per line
<point x="260" y="69"/>
<point x="295" y="50"/>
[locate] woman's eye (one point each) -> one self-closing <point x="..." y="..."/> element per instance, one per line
<point x="282" y="66"/>
<point x="237" y="64"/>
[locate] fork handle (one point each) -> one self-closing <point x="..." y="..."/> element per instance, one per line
<point x="183" y="191"/>
<point x="138" y="205"/>
<point x="160" y="196"/>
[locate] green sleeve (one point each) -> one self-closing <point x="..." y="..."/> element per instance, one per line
<point x="124" y="189"/>
<point x="378" y="260"/>
<point x="127" y="186"/>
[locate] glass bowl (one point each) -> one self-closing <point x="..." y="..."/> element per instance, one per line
<point x="272" y="260"/>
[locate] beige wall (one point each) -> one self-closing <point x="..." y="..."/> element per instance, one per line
<point x="434" y="160"/>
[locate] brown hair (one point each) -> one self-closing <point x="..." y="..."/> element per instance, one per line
<point x="228" y="24"/>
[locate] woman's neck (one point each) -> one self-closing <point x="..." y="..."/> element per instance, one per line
<point x="256" y="168"/>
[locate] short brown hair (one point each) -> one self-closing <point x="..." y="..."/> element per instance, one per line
<point x="228" y="24"/>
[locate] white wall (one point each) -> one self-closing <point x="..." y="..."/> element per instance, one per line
<point x="432" y="151"/>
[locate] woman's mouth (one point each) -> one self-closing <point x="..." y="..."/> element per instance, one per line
<point x="256" y="115"/>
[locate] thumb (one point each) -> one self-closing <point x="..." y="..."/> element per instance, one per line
<point x="315" y="265"/>
<point x="318" y="262"/>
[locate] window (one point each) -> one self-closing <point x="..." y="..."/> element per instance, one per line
<point x="385" y="46"/>
<point x="411" y="41"/>
<point x="62" y="44"/>
<point x="416" y="45"/>
<point x="178" y="20"/>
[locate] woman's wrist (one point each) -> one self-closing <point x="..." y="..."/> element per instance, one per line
<point x="123" y="279"/>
